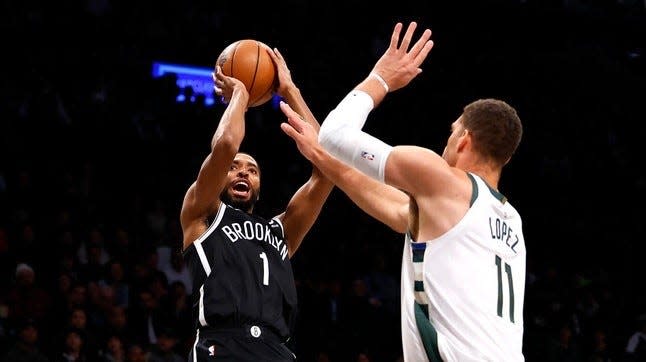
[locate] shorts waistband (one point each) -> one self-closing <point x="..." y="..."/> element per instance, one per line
<point x="251" y="331"/>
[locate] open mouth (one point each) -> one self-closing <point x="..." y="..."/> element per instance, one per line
<point x="241" y="188"/>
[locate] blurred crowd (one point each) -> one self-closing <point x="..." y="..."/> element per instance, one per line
<point x="95" y="157"/>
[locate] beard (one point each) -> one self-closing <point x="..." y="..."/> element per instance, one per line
<point x="242" y="204"/>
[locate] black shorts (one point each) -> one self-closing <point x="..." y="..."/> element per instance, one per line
<point x="248" y="343"/>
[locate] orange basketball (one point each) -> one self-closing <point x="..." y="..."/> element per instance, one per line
<point x="249" y="62"/>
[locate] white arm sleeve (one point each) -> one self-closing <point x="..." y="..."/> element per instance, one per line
<point x="341" y="135"/>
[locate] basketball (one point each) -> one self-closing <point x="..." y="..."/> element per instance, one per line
<point x="248" y="61"/>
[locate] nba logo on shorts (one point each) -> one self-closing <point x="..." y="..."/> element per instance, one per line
<point x="367" y="156"/>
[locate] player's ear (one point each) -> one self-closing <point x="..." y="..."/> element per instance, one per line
<point x="464" y="140"/>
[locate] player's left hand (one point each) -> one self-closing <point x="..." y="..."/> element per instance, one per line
<point x="284" y="75"/>
<point x="399" y="64"/>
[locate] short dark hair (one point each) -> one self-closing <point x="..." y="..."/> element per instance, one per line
<point x="495" y="127"/>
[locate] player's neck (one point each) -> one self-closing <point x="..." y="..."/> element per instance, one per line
<point x="488" y="173"/>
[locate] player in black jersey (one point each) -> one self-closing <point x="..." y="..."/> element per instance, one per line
<point x="245" y="295"/>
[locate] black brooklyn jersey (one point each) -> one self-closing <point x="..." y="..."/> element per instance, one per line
<point x="241" y="273"/>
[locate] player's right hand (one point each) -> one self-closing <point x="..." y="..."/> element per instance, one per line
<point x="228" y="87"/>
<point x="301" y="131"/>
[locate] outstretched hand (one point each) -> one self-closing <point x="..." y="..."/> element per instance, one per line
<point x="399" y="65"/>
<point x="301" y="131"/>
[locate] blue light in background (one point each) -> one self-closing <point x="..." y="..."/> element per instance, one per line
<point x="198" y="78"/>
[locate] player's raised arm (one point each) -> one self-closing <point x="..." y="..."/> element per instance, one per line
<point x="306" y="203"/>
<point x="383" y="202"/>
<point x="203" y="196"/>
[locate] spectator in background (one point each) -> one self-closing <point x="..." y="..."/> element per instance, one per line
<point x="177" y="306"/>
<point x="564" y="347"/>
<point x="115" y="278"/>
<point x="177" y="271"/>
<point x="116" y="324"/>
<point x="78" y="321"/>
<point x="383" y="286"/>
<point x="121" y="248"/>
<point x="146" y="319"/>
<point x="92" y="256"/>
<point x="636" y="347"/>
<point x="599" y="350"/>
<point x="113" y="351"/>
<point x="73" y="348"/>
<point x="27" y="344"/>
<point x="156" y="220"/>
<point x="164" y="350"/>
<point x="6" y="262"/>
<point x="76" y="297"/>
<point x="24" y="245"/>
<point x="136" y="353"/>
<point x="26" y="298"/>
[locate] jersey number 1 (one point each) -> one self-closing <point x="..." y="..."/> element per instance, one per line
<point x="265" y="268"/>
<point x="510" y="281"/>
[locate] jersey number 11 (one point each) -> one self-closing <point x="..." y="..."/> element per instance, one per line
<point x="510" y="282"/>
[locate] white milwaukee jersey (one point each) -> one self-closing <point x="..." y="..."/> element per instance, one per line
<point x="462" y="294"/>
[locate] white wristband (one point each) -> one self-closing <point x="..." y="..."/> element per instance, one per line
<point x="381" y="80"/>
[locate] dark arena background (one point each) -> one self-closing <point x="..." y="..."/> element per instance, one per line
<point x="98" y="146"/>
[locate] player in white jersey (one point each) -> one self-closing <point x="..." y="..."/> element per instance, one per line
<point x="463" y="267"/>
<point x="470" y="283"/>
